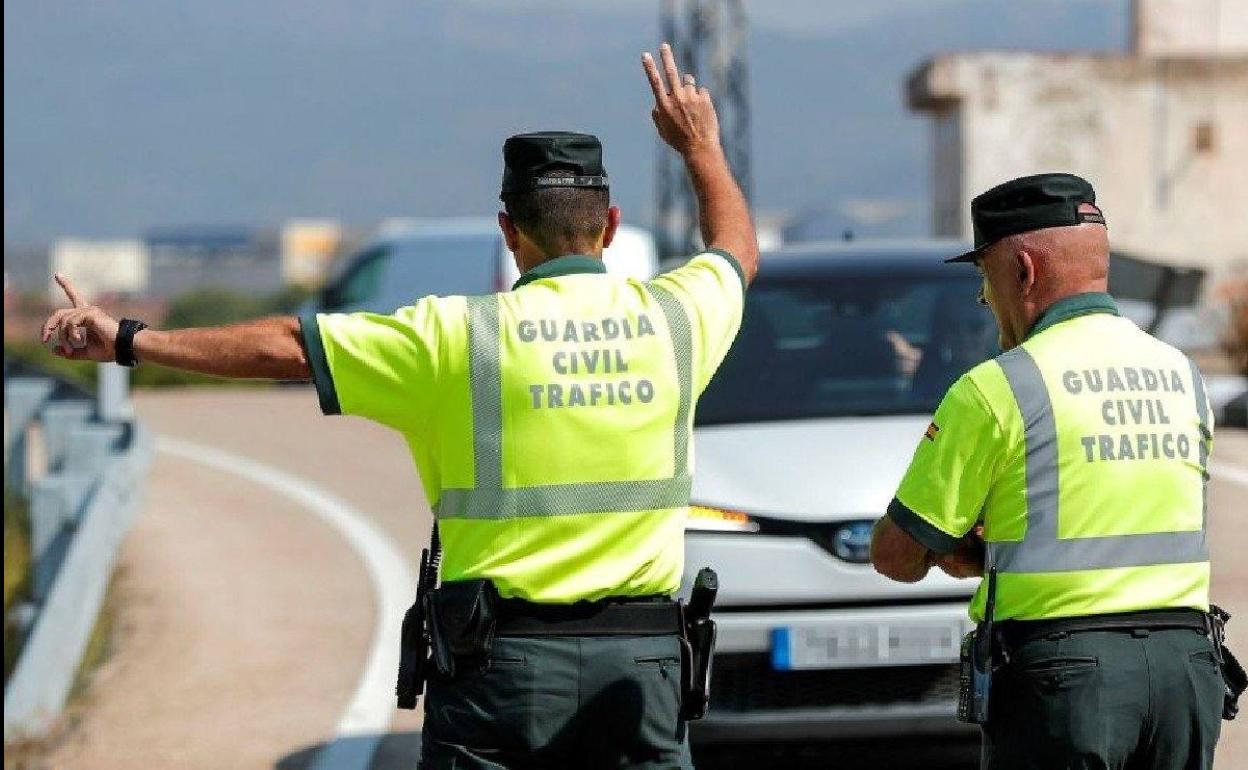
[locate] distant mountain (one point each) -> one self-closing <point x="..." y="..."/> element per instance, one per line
<point x="137" y="113"/>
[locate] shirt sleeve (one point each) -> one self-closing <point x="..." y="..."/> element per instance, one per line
<point x="711" y="287"/>
<point x="953" y="469"/>
<point x="381" y="367"/>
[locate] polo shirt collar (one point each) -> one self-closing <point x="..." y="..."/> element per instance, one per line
<point x="566" y="265"/>
<point x="1073" y="307"/>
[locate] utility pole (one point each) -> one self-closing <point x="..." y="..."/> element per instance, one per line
<point x="708" y="38"/>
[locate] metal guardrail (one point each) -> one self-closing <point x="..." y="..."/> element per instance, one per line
<point x="80" y="509"/>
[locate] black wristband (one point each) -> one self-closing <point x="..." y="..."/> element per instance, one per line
<point x="123" y="347"/>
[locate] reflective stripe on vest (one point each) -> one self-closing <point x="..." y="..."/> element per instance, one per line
<point x="488" y="499"/>
<point x="1206" y="440"/>
<point x="1041" y="550"/>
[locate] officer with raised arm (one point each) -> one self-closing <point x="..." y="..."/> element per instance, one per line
<point x="551" y="426"/>
<point x="1073" y="468"/>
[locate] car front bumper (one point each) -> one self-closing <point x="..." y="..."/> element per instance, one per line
<point x="751" y="701"/>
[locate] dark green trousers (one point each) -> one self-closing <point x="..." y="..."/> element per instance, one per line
<point x="1127" y="700"/>
<point x="561" y="702"/>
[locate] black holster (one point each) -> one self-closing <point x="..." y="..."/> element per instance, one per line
<point x="698" y="646"/>
<point x="1234" y="678"/>
<point x="981" y="651"/>
<point x="414" y="637"/>
<point x="463" y="616"/>
<point x="975" y="675"/>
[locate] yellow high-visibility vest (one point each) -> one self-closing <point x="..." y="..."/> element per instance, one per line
<point x="1084" y="453"/>
<point x="551" y="424"/>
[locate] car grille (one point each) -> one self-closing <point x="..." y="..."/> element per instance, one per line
<point x="747" y="682"/>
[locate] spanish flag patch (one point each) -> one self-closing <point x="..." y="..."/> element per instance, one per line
<point x="932" y="430"/>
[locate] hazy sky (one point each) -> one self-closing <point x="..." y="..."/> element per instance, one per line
<point x="129" y="114"/>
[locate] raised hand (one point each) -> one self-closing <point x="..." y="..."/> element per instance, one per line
<point x="81" y="332"/>
<point x="683" y="111"/>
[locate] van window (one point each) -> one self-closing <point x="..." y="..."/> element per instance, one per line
<point x="445" y="265"/>
<point x="359" y="282"/>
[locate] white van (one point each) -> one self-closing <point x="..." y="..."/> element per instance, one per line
<point x="413" y="259"/>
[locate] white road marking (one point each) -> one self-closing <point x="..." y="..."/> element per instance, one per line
<point x="1231" y="473"/>
<point x="367" y="715"/>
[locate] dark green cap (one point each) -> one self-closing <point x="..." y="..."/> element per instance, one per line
<point x="529" y="158"/>
<point x="1029" y="203"/>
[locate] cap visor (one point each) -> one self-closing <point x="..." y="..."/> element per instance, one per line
<point x="969" y="256"/>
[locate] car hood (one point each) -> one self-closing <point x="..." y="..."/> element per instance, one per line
<point x="806" y="470"/>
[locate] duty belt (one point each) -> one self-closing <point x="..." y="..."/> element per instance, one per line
<point x="648" y="616"/>
<point x="1018" y="632"/>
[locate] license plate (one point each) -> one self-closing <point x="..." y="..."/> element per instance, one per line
<point x="856" y="644"/>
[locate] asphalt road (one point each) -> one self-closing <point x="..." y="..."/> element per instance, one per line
<point x="246" y="622"/>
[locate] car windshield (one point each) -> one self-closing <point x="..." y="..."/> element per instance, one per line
<point x="831" y="345"/>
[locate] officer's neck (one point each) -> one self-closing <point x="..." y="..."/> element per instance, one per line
<point x="1040" y="304"/>
<point x="529" y="256"/>
<point x="1036" y="314"/>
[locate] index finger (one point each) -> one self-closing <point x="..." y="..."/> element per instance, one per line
<point x="652" y="74"/>
<point x="69" y="289"/>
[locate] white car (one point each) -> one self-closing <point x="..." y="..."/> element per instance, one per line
<point x="801" y="440"/>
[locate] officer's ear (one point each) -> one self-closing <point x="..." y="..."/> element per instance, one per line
<point x="613" y="224"/>
<point x="1026" y="271"/>
<point x="511" y="233"/>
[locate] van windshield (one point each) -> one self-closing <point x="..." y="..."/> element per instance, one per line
<point x="401" y="270"/>
<point x="360" y="281"/>
<point x="829" y="346"/>
<point x="445" y="265"/>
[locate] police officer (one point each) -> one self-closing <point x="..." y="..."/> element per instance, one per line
<point x="1082" y="452"/>
<point x="552" y="429"/>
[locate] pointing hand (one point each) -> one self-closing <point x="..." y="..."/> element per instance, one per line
<point x="81" y="332"/>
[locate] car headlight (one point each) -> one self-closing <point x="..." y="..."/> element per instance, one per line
<point x="705" y="518"/>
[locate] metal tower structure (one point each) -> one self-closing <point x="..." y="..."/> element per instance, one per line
<point x="708" y="38"/>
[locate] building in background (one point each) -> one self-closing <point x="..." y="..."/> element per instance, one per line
<point x="1158" y="130"/>
<point x="1189" y="27"/>
<point x="308" y="247"/>
<point x="183" y="259"/>
<point x="99" y="267"/>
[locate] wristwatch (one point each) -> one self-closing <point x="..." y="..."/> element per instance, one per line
<point x="123" y="347"/>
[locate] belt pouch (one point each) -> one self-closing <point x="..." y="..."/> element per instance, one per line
<point x="466" y="612"/>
